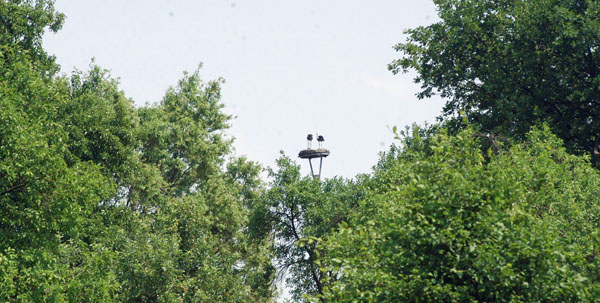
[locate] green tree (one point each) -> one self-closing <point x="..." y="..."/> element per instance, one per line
<point x="22" y="24"/>
<point x="511" y="64"/>
<point x="183" y="230"/>
<point x="184" y="134"/>
<point x="47" y="201"/>
<point x="176" y="223"/>
<point x="104" y="202"/>
<point x="296" y="211"/>
<point x="452" y="222"/>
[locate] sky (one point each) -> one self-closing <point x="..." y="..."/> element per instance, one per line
<point x="290" y="67"/>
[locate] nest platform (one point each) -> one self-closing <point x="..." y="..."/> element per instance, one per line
<point x="313" y="153"/>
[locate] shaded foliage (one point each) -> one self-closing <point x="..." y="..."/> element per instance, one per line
<point x="452" y="222"/>
<point x="511" y="64"/>
<point x="296" y="211"/>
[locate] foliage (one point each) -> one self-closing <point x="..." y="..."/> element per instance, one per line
<point x="297" y="210"/>
<point x="183" y="135"/>
<point x="511" y="64"/>
<point x="22" y="24"/>
<point x="101" y="201"/>
<point x="454" y="223"/>
<point x="47" y="202"/>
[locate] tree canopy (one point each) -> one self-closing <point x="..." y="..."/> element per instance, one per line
<point x="105" y="201"/>
<point x="297" y="211"/>
<point x="511" y="64"/>
<point x="101" y="201"/>
<point x="452" y="222"/>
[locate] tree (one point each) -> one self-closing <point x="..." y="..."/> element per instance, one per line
<point x="48" y="201"/>
<point x="86" y="207"/>
<point x="450" y="222"/>
<point x="183" y="136"/>
<point x="510" y="64"/>
<point x="22" y="24"/>
<point x="181" y="213"/>
<point x="104" y="202"/>
<point x="297" y="211"/>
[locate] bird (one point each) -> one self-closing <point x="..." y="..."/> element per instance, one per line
<point x="597" y="150"/>
<point x="320" y="139"/>
<point x="309" y="138"/>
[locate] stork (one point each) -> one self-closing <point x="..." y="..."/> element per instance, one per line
<point x="309" y="138"/>
<point x="320" y="139"/>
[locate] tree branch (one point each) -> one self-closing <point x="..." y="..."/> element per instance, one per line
<point x="13" y="188"/>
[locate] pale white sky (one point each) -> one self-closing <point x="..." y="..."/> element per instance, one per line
<point x="291" y="67"/>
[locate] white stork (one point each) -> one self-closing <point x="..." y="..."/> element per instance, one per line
<point x="309" y="138"/>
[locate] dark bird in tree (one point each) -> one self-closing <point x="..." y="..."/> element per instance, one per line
<point x="597" y="150"/>
<point x="309" y="138"/>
